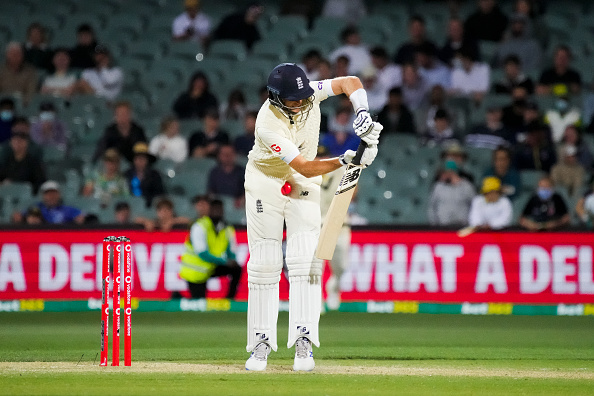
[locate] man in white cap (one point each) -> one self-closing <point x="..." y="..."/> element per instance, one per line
<point x="52" y="209"/>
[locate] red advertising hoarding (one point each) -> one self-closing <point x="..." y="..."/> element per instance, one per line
<point x="384" y="265"/>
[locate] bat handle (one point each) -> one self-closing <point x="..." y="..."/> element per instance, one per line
<point x="359" y="154"/>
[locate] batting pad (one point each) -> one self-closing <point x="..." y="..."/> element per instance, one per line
<point x="300" y="259"/>
<point x="305" y="302"/>
<point x="262" y="315"/>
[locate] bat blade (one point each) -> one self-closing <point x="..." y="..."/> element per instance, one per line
<point x="337" y="212"/>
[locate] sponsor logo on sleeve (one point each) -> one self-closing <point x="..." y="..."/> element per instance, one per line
<point x="276" y="148"/>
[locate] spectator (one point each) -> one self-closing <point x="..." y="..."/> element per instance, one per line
<point x="425" y="116"/>
<point x="7" y="115"/>
<point x="491" y="210"/>
<point x="235" y="107"/>
<point x="513" y="114"/>
<point x="561" y="79"/>
<point x="514" y="76"/>
<point x="536" y="151"/>
<point x="357" y="53"/>
<point x="414" y="88"/>
<point x="36" y="50"/>
<point x="533" y="10"/>
<point x="341" y="66"/>
<point x="340" y="136"/>
<point x="16" y="76"/>
<point x="19" y="163"/>
<point x="201" y="205"/>
<point x="206" y="143"/>
<point x="546" y="210"/>
<point x="192" y="24"/>
<point x="377" y="96"/>
<point x="395" y="116"/>
<point x="103" y="80"/>
<point x="472" y="78"/>
<point x="520" y="44"/>
<point x="455" y="152"/>
<point x="531" y="118"/>
<point x="487" y="23"/>
<point x="169" y="144"/>
<point x="62" y="82"/>
<point x="122" y="213"/>
<point x="144" y="181"/>
<point x="227" y="177"/>
<point x="244" y="143"/>
<point x="350" y="10"/>
<point x="165" y="219"/>
<point x="33" y="216"/>
<point x="324" y="70"/>
<point x="490" y="134"/>
<point x="310" y="63"/>
<point x="82" y="56"/>
<point x="241" y="26"/>
<point x="584" y="207"/>
<point x="418" y="39"/>
<point x="48" y="130"/>
<point x="568" y="172"/>
<point x="210" y="252"/>
<point x="388" y="74"/>
<point x="442" y="132"/>
<point x="503" y="169"/>
<point x="122" y="134"/>
<point x="455" y="40"/>
<point x="196" y="100"/>
<point x="108" y="183"/>
<point x="451" y="196"/>
<point x="53" y="210"/>
<point x="431" y="68"/>
<point x="561" y="116"/>
<point x="573" y="137"/>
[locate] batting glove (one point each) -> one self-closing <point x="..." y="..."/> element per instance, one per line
<point x="366" y="159"/>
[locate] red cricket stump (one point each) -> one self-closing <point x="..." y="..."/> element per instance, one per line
<point x="117" y="274"/>
<point x="105" y="301"/>
<point x="127" y="302"/>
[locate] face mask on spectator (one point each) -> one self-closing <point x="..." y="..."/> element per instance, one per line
<point x="544" y="193"/>
<point x="6" y="115"/>
<point x="47" y="116"/>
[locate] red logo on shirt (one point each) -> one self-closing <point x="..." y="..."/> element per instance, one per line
<point x="275" y="148"/>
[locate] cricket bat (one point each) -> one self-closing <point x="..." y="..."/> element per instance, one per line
<point x="339" y="207"/>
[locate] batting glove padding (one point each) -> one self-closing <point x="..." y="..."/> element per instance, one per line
<point x="366" y="159"/>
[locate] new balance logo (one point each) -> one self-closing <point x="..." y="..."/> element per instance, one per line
<point x="299" y="83"/>
<point x="302" y="330"/>
<point x="304" y="193"/>
<point x="261" y="336"/>
<point x="259" y="208"/>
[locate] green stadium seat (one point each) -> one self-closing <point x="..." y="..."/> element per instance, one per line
<point x="186" y="50"/>
<point x="233" y="215"/>
<point x="147" y="49"/>
<point x="16" y="190"/>
<point x="53" y="154"/>
<point x="228" y="49"/>
<point x="285" y="26"/>
<point x="125" y="22"/>
<point x="182" y="206"/>
<point x="300" y="49"/>
<point x="84" y="152"/>
<point x="529" y="179"/>
<point x="189" y="184"/>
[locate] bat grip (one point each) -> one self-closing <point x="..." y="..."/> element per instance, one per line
<point x="359" y="154"/>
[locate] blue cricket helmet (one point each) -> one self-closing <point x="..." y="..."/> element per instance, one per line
<point x="288" y="81"/>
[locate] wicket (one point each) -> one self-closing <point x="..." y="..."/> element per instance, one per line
<point x="112" y="253"/>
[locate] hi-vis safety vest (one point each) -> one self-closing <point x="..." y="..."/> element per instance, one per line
<point x="193" y="268"/>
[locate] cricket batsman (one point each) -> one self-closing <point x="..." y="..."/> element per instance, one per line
<point x="282" y="186"/>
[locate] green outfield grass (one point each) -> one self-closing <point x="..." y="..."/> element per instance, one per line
<point x="203" y="353"/>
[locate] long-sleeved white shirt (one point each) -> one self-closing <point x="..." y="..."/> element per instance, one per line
<point x="174" y="148"/>
<point x="496" y="215"/>
<point x="106" y="82"/>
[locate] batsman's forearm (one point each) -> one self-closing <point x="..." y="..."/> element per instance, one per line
<point x="316" y="167"/>
<point x="346" y="85"/>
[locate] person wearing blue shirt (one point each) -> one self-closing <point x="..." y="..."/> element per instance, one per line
<point x="53" y="210"/>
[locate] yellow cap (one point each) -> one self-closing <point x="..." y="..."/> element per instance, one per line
<point x="490" y="183"/>
<point x="192" y="3"/>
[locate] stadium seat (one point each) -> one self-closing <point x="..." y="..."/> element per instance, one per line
<point x="271" y="50"/>
<point x="529" y="179"/>
<point x="233" y="215"/>
<point x="182" y="206"/>
<point x="125" y="22"/>
<point x="300" y="49"/>
<point x="228" y="49"/>
<point x="285" y="26"/>
<point x="16" y="190"/>
<point x="53" y="154"/>
<point x="147" y="49"/>
<point x="184" y="49"/>
<point x="188" y="184"/>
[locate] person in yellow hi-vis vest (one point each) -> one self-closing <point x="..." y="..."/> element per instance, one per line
<point x="210" y="252"/>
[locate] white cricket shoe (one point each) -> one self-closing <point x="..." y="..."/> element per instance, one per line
<point x="304" y="360"/>
<point x="258" y="358"/>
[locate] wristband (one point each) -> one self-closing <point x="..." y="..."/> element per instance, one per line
<point x="359" y="100"/>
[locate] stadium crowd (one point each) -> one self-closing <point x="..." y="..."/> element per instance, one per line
<point x="497" y="80"/>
